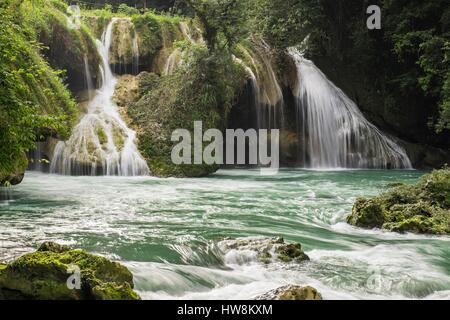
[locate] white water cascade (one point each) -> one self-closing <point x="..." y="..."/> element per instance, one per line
<point x="88" y="78"/>
<point x="101" y="143"/>
<point x="135" y="53"/>
<point x="267" y="93"/>
<point x="336" y="133"/>
<point x="173" y="62"/>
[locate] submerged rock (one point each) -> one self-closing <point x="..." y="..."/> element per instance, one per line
<point x="291" y="293"/>
<point x="46" y="273"/>
<point x="267" y="250"/>
<point x="422" y="208"/>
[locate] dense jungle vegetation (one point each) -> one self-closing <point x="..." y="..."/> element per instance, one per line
<point x="399" y="75"/>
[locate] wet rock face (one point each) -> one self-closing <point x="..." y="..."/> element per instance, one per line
<point x="12" y="179"/>
<point x="422" y="208"/>
<point x="291" y="293"/>
<point x="69" y="50"/>
<point x="267" y="250"/>
<point x="44" y="274"/>
<point x="427" y="157"/>
<point x="124" y="51"/>
<point x="126" y="91"/>
<point x="16" y="175"/>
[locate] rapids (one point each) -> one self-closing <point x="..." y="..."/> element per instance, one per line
<point x="169" y="232"/>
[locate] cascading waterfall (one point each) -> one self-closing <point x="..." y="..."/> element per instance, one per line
<point x="101" y="144"/>
<point x="135" y="52"/>
<point x="88" y="76"/>
<point x="172" y="63"/>
<point x="268" y="96"/>
<point x="175" y="59"/>
<point x="270" y="105"/>
<point x="36" y="157"/>
<point x="337" y="134"/>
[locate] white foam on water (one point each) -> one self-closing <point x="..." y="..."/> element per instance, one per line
<point x="101" y="143"/>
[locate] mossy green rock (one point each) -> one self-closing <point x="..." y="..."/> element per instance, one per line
<point x="292" y="293"/>
<point x="367" y="213"/>
<point x="43" y="275"/>
<point x="422" y="208"/>
<point x="291" y="252"/>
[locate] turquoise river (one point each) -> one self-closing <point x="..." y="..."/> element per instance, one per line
<point x="167" y="232"/>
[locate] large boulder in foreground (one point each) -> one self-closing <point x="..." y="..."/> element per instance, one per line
<point x="291" y="293"/>
<point x="422" y="208"/>
<point x="44" y="275"/>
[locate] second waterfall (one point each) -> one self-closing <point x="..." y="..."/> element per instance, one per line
<point x="101" y="143"/>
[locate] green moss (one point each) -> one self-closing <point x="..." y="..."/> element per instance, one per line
<point x="291" y="252"/>
<point x="101" y="134"/>
<point x="111" y="291"/>
<point x="44" y="273"/>
<point x="13" y="172"/>
<point x="96" y="23"/>
<point x="150" y="36"/>
<point x="171" y="104"/>
<point x="118" y="138"/>
<point x="300" y="294"/>
<point x="265" y="257"/>
<point x="204" y="91"/>
<point x="367" y="213"/>
<point x="420" y="208"/>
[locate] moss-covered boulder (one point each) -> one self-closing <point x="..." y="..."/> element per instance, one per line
<point x="291" y="293"/>
<point x="267" y="250"/>
<point x="422" y="208"/>
<point x="45" y="275"/>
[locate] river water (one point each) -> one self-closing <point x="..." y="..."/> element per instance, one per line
<point x="166" y="232"/>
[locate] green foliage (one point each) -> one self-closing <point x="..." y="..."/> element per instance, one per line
<point x="149" y="29"/>
<point x="32" y="96"/>
<point x="420" y="35"/>
<point x="224" y="22"/>
<point x="406" y="62"/>
<point x="155" y="32"/>
<point x="126" y="10"/>
<point x="202" y="89"/>
<point x="285" y="23"/>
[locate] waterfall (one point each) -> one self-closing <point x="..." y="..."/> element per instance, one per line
<point x="135" y="52"/>
<point x="101" y="143"/>
<point x="269" y="102"/>
<point x="36" y="157"/>
<point x="175" y="59"/>
<point x="336" y="133"/>
<point x="172" y="63"/>
<point x="268" y="96"/>
<point x="88" y="76"/>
